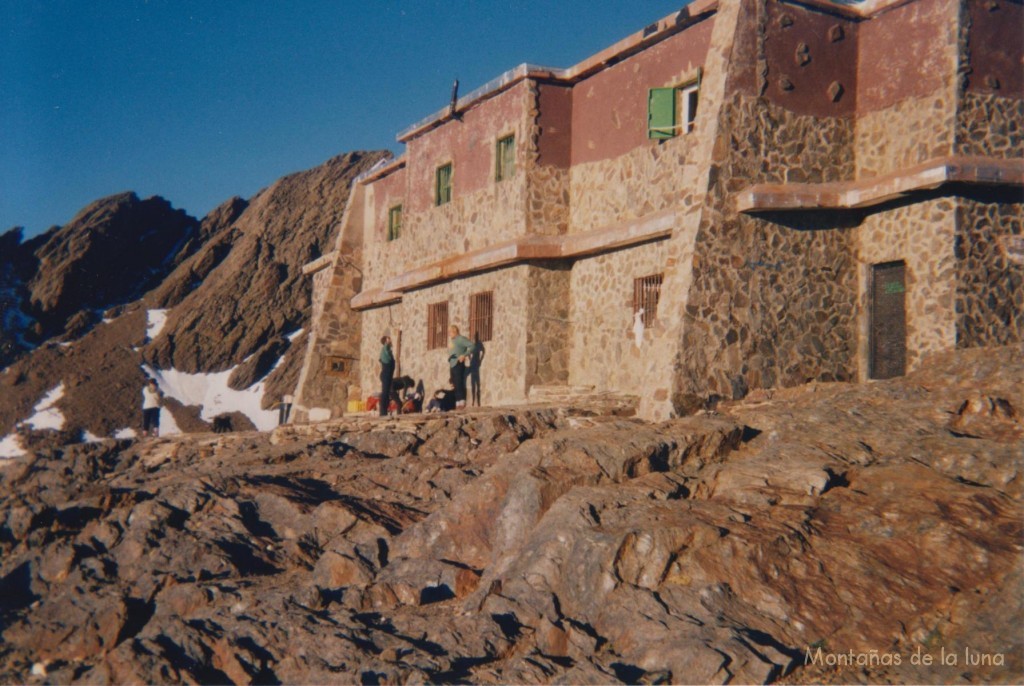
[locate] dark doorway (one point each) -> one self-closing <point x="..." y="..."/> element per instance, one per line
<point x="888" y="321"/>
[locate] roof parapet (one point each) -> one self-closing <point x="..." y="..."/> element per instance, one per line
<point x="653" y="33"/>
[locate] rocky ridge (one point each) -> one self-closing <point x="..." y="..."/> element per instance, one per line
<point x="110" y="253"/>
<point x="538" y="544"/>
<point x="232" y="285"/>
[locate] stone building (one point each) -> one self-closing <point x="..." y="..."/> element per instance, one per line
<point x="745" y="194"/>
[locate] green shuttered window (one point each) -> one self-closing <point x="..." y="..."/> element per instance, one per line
<point x="443" y="186"/>
<point x="672" y="111"/>
<point x="661" y="113"/>
<point x="394" y="222"/>
<point x="505" y="158"/>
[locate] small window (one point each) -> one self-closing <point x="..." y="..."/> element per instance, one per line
<point x="437" y="325"/>
<point x="646" y="294"/>
<point x="688" y="98"/>
<point x="671" y="111"/>
<point x="443" y="185"/>
<point x="336" y="365"/>
<point x="505" y="158"/>
<point x="481" y="316"/>
<point x="394" y="222"/>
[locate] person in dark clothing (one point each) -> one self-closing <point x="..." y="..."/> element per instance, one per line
<point x="475" y="358"/>
<point x="458" y="356"/>
<point x="443" y="401"/>
<point x="387" y="373"/>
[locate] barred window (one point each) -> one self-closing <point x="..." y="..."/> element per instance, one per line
<point x="481" y="316"/>
<point x="443" y="184"/>
<point x="505" y="158"/>
<point x="437" y="325"/>
<point x="646" y="293"/>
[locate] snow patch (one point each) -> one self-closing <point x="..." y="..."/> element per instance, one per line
<point x="168" y="427"/>
<point x="125" y="433"/>
<point x="90" y="437"/>
<point x="10" y="446"/>
<point x="319" y="414"/>
<point x="47" y="414"/>
<point x="155" y="321"/>
<point x="295" y="334"/>
<point x="212" y="393"/>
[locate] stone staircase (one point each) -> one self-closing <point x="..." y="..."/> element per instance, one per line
<point x="585" y="399"/>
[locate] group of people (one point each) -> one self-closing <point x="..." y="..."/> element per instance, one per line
<point x="464" y="357"/>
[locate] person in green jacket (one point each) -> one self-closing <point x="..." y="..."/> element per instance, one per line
<point x="458" y="355"/>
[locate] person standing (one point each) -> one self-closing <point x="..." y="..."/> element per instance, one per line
<point x="387" y="374"/>
<point x="475" y="358"/>
<point x="458" y="357"/>
<point x="151" y="397"/>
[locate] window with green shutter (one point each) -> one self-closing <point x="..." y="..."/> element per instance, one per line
<point x="671" y="111"/>
<point x="661" y="113"/>
<point x="505" y="158"/>
<point x="443" y="185"/>
<point x="394" y="222"/>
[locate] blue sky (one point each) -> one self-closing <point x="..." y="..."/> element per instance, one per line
<point x="200" y="101"/>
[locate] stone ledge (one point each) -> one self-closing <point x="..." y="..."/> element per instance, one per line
<point x="848" y="195"/>
<point x="654" y="226"/>
<point x="319" y="263"/>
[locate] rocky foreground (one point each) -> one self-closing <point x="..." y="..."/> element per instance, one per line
<point x="865" y="528"/>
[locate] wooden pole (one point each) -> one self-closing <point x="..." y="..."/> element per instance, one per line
<point x="398" y="353"/>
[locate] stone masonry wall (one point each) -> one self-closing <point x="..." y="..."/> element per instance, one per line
<point x="908" y="59"/>
<point x="547" y="184"/>
<point x="548" y="341"/>
<point x="773" y="299"/>
<point x="644" y="180"/>
<point x="989" y="286"/>
<point x="920" y="234"/>
<point x="503" y="372"/>
<point x="482" y="211"/>
<point x="336" y="332"/>
<point x="604" y="353"/>
<point x="990" y="125"/>
<point x="911" y="132"/>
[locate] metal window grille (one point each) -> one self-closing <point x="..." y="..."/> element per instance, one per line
<point x="437" y="325"/>
<point x="443" y="186"/>
<point x="481" y="316"/>
<point x="394" y="222"/>
<point x="646" y="294"/>
<point x="505" y="158"/>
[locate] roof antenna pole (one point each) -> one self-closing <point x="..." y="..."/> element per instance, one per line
<point x="455" y="101"/>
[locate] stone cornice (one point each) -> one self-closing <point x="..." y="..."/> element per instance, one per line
<point x="518" y="251"/>
<point x="849" y="195"/>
